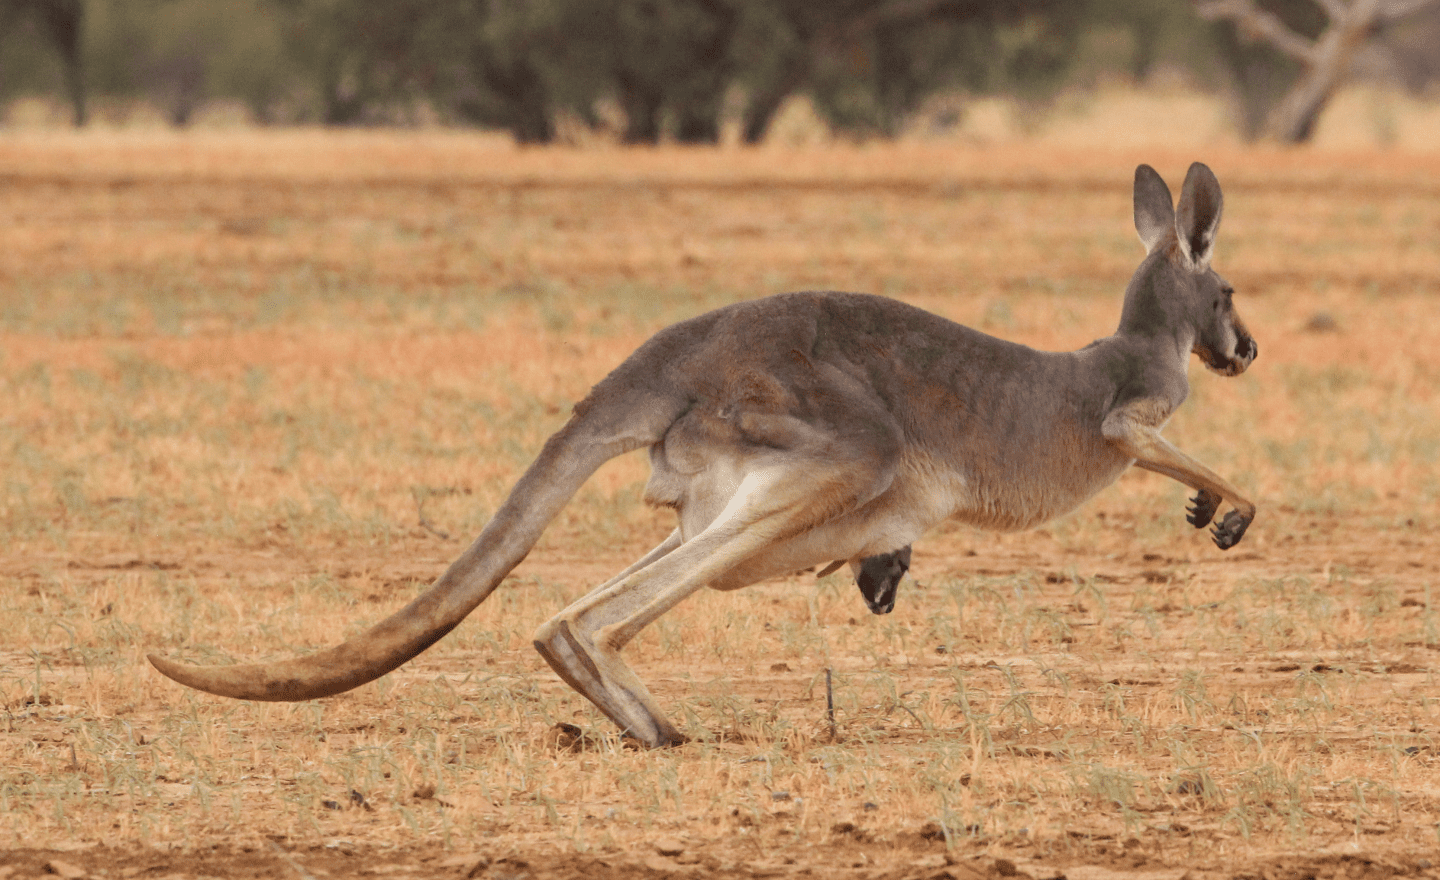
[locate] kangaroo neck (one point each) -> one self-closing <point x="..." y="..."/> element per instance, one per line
<point x="1153" y="314"/>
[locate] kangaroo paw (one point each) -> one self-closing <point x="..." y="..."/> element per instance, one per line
<point x="1202" y="509"/>
<point x="1229" y="531"/>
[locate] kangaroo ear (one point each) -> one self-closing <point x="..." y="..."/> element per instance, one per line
<point x="1154" y="214"/>
<point x="1198" y="216"/>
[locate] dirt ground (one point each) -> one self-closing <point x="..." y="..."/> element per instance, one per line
<point x="1166" y="834"/>
<point x="262" y="390"/>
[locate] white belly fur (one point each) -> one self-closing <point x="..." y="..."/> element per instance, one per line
<point x="923" y="494"/>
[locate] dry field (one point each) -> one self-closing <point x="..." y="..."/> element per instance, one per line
<point x="257" y="390"/>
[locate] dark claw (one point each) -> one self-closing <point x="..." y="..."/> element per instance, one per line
<point x="1228" y="532"/>
<point x="879" y="578"/>
<point x="1202" y="509"/>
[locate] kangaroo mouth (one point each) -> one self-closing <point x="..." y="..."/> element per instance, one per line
<point x="1229" y="365"/>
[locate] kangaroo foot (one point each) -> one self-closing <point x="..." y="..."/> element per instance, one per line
<point x="1229" y="531"/>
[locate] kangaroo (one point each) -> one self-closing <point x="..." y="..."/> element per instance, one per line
<point x="794" y="430"/>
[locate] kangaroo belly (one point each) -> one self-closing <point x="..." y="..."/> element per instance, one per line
<point x="697" y="473"/>
<point x="922" y="495"/>
<point x="1039" y="490"/>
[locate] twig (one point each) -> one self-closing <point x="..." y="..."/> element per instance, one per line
<point x="425" y="524"/>
<point x="830" y="704"/>
<point x="1255" y="22"/>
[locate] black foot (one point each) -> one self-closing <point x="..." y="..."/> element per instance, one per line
<point x="879" y="578"/>
<point x="1229" y="531"/>
<point x="1202" y="509"/>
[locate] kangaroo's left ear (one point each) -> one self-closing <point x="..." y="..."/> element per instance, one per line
<point x="1197" y="217"/>
<point x="1154" y="214"/>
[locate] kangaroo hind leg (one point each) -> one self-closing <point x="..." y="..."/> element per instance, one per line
<point x="776" y="499"/>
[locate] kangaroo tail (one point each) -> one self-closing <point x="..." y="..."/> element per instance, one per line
<point x="593" y="436"/>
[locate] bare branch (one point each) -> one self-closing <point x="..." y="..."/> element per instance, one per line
<point x="1255" y="23"/>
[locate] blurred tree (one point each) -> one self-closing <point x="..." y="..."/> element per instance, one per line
<point x="117" y="43"/>
<point x="506" y="63"/>
<point x="666" y="63"/>
<point x="180" y="54"/>
<point x="508" y="55"/>
<point x="774" y="44"/>
<point x="1320" y="41"/>
<point x="669" y="57"/>
<point x="869" y="64"/>
<point x="26" y="64"/>
<point x="61" y="24"/>
<point x="669" y="66"/>
<point x="247" y="59"/>
<point x="362" y="62"/>
<point x="518" y="63"/>
<point x="174" y="52"/>
<point x="1260" y="73"/>
<point x="1158" y="31"/>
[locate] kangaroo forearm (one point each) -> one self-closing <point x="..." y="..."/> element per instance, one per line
<point x="1197" y="476"/>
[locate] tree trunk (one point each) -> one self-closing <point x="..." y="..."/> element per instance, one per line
<point x="642" y="111"/>
<point x="766" y="100"/>
<point x="1326" y="60"/>
<point x="525" y="100"/>
<point x="64" y="23"/>
<point x="1293" y="119"/>
<point x="697" y="109"/>
<point x="698" y="123"/>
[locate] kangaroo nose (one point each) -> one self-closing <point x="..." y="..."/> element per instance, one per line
<point x="1246" y="349"/>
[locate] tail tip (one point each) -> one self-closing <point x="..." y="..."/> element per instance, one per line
<point x="163" y="664"/>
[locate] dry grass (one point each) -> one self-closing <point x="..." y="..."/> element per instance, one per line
<point x="252" y="383"/>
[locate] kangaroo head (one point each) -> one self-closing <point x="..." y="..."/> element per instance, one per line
<point x="1187" y="293"/>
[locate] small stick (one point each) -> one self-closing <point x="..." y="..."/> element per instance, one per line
<point x="425" y="523"/>
<point x="830" y="704"/>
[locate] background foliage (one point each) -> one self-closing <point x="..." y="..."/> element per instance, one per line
<point x="645" y="70"/>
